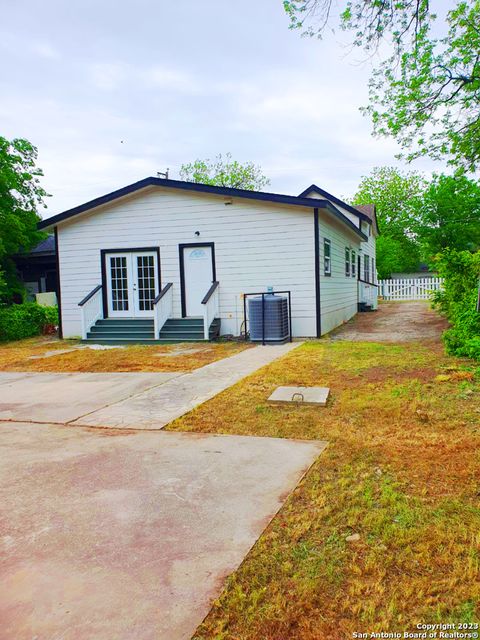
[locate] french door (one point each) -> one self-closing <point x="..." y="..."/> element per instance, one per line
<point x="132" y="283"/>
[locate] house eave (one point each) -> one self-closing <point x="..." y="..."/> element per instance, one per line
<point x="341" y="203"/>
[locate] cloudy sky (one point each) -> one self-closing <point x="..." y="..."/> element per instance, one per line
<point x="111" y="91"/>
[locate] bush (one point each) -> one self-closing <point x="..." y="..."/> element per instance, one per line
<point x="458" y="301"/>
<point x="25" y="320"/>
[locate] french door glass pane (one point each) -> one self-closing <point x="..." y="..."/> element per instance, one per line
<point x="119" y="279"/>
<point x="146" y="282"/>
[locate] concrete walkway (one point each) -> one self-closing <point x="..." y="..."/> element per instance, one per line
<point x="124" y="400"/>
<point x="156" y="407"/>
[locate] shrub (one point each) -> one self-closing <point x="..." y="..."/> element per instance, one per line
<point x="458" y="301"/>
<point x="25" y="320"/>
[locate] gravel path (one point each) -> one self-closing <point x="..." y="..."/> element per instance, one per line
<point x="394" y="322"/>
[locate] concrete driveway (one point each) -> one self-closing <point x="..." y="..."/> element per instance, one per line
<point x="64" y="397"/>
<point x="124" y="400"/>
<point x="114" y="535"/>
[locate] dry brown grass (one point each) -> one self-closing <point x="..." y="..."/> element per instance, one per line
<point x="15" y="356"/>
<point x="402" y="470"/>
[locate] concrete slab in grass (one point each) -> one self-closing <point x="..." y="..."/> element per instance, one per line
<point x="300" y="395"/>
<point x="130" y="535"/>
<point x="62" y="397"/>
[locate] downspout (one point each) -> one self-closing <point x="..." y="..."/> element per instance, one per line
<point x="59" y="288"/>
<point x="318" y="311"/>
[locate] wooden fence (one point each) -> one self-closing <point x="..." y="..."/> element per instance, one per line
<point x="409" y="288"/>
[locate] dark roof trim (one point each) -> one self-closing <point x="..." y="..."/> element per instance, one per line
<point x="339" y="215"/>
<point x="341" y="203"/>
<point x="297" y="201"/>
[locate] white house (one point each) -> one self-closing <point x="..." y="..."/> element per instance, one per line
<point x="173" y="260"/>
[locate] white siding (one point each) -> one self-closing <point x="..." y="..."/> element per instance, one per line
<point x="256" y="245"/>
<point x="348" y="214"/>
<point x="338" y="293"/>
<point x="369" y="248"/>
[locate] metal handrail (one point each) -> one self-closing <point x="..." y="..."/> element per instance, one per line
<point x="90" y="295"/>
<point x="91" y="309"/>
<point x="158" y="322"/>
<point x="210" y="292"/>
<point x="367" y="282"/>
<point x="162" y="293"/>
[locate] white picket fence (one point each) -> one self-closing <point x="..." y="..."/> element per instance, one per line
<point x="409" y="288"/>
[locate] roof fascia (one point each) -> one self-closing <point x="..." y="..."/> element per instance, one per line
<point x="297" y="201"/>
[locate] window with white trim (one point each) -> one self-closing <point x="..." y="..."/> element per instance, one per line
<point x="347" y="262"/>
<point x="353" y="269"/>
<point x="327" y="257"/>
<point x="366" y="268"/>
<point x="374" y="272"/>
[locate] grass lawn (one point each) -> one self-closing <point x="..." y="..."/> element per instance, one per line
<point x="402" y="471"/>
<point x="16" y="356"/>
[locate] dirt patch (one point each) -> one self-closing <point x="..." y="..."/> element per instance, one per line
<point x="380" y="374"/>
<point x="57" y="356"/>
<point x="394" y="322"/>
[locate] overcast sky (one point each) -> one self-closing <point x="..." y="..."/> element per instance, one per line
<point x="111" y="91"/>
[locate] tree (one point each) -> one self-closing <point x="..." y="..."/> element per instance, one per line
<point x="398" y="197"/>
<point x="450" y="215"/>
<point x="426" y="91"/>
<point x="225" y="172"/>
<point x="396" y="255"/>
<point x="20" y="196"/>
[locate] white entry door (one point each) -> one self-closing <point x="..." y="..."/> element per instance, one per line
<point x="198" y="277"/>
<point x="132" y="284"/>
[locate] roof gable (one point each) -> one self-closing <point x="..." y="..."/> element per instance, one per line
<point x="341" y="203"/>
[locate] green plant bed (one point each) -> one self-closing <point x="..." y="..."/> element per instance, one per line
<point x="458" y="301"/>
<point x="25" y="320"/>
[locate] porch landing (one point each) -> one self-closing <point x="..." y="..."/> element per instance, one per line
<point x="141" y="331"/>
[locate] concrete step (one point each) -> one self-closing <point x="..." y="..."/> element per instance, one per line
<point x="123" y="328"/>
<point x="130" y="335"/>
<point x="184" y="322"/>
<point x="141" y="331"/>
<point x="180" y="332"/>
<point x="364" y="307"/>
<point x="121" y="341"/>
<point x="179" y="340"/>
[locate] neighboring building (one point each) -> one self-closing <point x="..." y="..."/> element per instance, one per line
<point x="37" y="269"/>
<point x="173" y="256"/>
<point x="423" y="272"/>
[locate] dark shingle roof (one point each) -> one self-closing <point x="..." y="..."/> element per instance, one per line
<point x="45" y="246"/>
<point x="370" y="211"/>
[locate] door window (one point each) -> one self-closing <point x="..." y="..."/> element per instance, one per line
<point x="119" y="283"/>
<point x="146" y="282"/>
